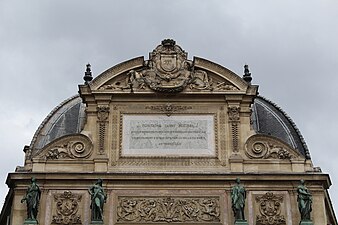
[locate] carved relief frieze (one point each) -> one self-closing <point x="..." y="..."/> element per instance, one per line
<point x="234" y="120"/>
<point x="102" y="117"/>
<point x="168" y="209"/>
<point x="168" y="108"/>
<point x="67" y="207"/>
<point x="270" y="210"/>
<point x="71" y="147"/>
<point x="264" y="147"/>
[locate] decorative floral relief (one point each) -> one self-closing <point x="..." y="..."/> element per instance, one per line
<point x="170" y="210"/>
<point x="267" y="148"/>
<point x="270" y="210"/>
<point x="70" y="148"/>
<point x="67" y="206"/>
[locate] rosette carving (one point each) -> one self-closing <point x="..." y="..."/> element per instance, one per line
<point x="265" y="147"/>
<point x="69" y="147"/>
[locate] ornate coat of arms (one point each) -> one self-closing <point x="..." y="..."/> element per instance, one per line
<point x="168" y="70"/>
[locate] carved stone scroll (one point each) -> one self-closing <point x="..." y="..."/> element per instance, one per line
<point x="234" y="120"/>
<point x="264" y="147"/>
<point x="270" y="210"/>
<point x="102" y="116"/>
<point x="170" y="210"/>
<point x="67" y="206"/>
<point x="70" y="147"/>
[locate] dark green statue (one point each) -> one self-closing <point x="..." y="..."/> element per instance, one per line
<point x="238" y="195"/>
<point x="304" y="199"/>
<point x="32" y="199"/>
<point x="98" y="197"/>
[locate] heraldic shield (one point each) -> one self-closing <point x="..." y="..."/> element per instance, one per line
<point x="168" y="63"/>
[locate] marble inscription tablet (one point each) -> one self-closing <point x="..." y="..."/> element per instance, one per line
<point x="159" y="135"/>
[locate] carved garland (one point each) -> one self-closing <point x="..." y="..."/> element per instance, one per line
<point x="169" y="210"/>
<point x="270" y="210"/>
<point x="102" y="116"/>
<point x="234" y="119"/>
<point x="67" y="206"/>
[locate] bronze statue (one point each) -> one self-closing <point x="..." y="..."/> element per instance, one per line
<point x="32" y="199"/>
<point x="238" y="195"/>
<point x="98" y="197"/>
<point x="304" y="199"/>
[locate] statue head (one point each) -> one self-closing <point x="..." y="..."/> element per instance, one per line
<point x="238" y="180"/>
<point x="302" y="182"/>
<point x="33" y="179"/>
<point x="99" y="181"/>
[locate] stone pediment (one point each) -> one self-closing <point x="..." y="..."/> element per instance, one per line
<point x="168" y="70"/>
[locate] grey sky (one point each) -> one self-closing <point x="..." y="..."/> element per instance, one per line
<point x="290" y="46"/>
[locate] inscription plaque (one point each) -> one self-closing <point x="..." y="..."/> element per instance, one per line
<point x="177" y="135"/>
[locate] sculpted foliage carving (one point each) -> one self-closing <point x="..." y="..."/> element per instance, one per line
<point x="77" y="146"/>
<point x="267" y="148"/>
<point x="170" y="209"/>
<point x="270" y="210"/>
<point x="67" y="206"/>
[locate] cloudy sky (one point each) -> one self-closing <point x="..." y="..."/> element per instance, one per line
<point x="290" y="46"/>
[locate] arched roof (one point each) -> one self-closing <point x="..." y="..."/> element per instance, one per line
<point x="66" y="118"/>
<point x="267" y="118"/>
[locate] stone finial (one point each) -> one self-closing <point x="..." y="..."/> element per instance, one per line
<point x="88" y="74"/>
<point x="247" y="75"/>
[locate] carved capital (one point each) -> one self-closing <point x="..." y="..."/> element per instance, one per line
<point x="233" y="112"/>
<point x="102" y="113"/>
<point x="67" y="206"/>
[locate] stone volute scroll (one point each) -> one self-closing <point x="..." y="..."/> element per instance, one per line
<point x="32" y="199"/>
<point x="238" y="196"/>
